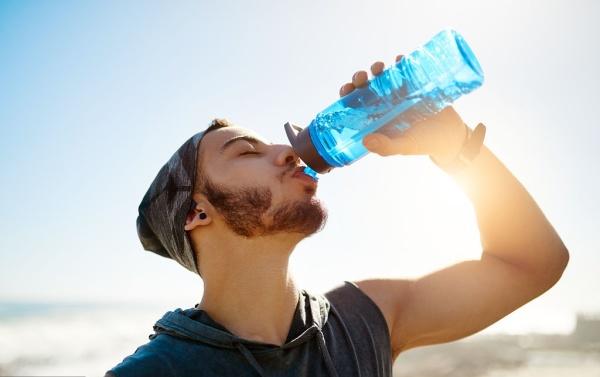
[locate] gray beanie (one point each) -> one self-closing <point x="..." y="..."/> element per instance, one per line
<point x="164" y="208"/>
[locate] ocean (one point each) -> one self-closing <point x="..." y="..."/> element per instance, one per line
<point x="70" y="339"/>
<point x="88" y="339"/>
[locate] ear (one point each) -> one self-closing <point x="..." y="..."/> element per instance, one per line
<point x="193" y="217"/>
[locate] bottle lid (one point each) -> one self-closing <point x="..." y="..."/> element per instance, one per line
<point x="303" y="146"/>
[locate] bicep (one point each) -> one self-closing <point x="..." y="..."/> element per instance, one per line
<point x="460" y="300"/>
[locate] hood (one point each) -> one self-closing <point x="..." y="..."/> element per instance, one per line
<point x="196" y="325"/>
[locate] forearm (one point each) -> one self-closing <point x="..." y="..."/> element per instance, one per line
<point x="512" y="226"/>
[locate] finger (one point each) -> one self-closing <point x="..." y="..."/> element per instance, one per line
<point x="385" y="146"/>
<point x="398" y="57"/>
<point x="377" y="68"/>
<point x="346" y="88"/>
<point x="359" y="79"/>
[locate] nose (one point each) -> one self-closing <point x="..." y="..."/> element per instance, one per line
<point x="287" y="156"/>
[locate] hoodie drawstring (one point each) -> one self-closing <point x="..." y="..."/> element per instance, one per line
<point x="322" y="347"/>
<point x="251" y="359"/>
<point x="182" y="324"/>
<point x="325" y="353"/>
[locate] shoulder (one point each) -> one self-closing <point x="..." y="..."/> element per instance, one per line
<point x="151" y="359"/>
<point x="390" y="296"/>
<point x="352" y="303"/>
<point x="354" y="316"/>
<point x="386" y="297"/>
<point x="346" y="293"/>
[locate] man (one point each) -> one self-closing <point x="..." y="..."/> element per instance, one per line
<point x="231" y="206"/>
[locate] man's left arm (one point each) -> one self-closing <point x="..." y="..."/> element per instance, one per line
<point x="522" y="255"/>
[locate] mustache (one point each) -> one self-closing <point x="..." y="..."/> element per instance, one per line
<point x="289" y="170"/>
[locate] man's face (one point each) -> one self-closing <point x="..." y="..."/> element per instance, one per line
<point x="250" y="182"/>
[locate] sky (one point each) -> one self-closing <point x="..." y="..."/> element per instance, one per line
<point x="96" y="96"/>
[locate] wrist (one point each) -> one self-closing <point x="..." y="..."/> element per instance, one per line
<point x="470" y="148"/>
<point x="451" y="144"/>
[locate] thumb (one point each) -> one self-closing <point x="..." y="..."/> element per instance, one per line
<point x="386" y="146"/>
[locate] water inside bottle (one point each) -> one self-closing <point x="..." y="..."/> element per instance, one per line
<point x="338" y="131"/>
<point x="418" y="86"/>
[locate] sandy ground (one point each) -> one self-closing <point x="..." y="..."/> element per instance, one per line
<point x="501" y="356"/>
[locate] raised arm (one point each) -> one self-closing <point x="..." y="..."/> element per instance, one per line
<point x="522" y="255"/>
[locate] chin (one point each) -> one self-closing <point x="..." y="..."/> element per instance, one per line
<point x="306" y="216"/>
<point x="310" y="191"/>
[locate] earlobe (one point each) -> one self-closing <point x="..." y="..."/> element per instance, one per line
<point x="199" y="214"/>
<point x="195" y="219"/>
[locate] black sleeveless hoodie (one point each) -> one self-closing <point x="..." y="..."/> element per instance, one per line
<point x="340" y="334"/>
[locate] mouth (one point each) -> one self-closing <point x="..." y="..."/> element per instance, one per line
<point x="299" y="174"/>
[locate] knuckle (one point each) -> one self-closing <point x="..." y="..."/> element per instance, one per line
<point x="357" y="74"/>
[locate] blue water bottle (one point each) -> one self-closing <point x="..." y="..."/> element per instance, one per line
<point x="420" y="85"/>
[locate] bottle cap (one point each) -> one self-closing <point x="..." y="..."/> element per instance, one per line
<point x="303" y="146"/>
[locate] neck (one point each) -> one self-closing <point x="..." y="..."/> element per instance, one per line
<point x="247" y="285"/>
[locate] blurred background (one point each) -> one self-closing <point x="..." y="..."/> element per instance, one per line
<point x="96" y="96"/>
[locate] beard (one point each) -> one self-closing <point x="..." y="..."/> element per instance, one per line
<point x="247" y="211"/>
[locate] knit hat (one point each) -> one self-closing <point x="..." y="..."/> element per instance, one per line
<point x="164" y="208"/>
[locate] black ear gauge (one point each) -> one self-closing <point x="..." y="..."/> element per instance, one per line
<point x="202" y="216"/>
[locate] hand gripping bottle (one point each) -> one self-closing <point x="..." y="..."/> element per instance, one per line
<point x="418" y="86"/>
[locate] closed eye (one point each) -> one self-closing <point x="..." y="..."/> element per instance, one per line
<point x="248" y="152"/>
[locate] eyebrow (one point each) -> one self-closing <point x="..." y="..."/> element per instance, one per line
<point x="251" y="139"/>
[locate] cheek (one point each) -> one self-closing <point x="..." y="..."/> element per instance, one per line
<point x="280" y="189"/>
<point x="255" y="175"/>
<point x="239" y="175"/>
<point x="278" y="192"/>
